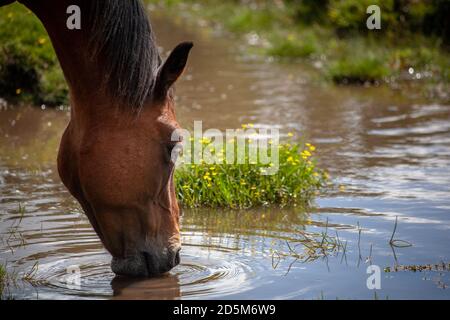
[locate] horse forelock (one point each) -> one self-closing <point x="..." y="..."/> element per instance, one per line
<point x="122" y="44"/>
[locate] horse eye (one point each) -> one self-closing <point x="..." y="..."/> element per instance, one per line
<point x="174" y="150"/>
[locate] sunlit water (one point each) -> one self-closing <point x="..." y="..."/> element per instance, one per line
<point x="389" y="148"/>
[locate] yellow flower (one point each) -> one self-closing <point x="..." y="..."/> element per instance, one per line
<point x="244" y="126"/>
<point x="306" y="153"/>
<point x="315" y="174"/>
<point x="243" y="183"/>
<point x="42" y="41"/>
<point x="290" y="134"/>
<point x="251" y="125"/>
<point x="290" y="159"/>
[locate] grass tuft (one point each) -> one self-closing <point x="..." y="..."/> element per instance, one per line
<point x="358" y="70"/>
<point x="244" y="185"/>
<point x="3" y="276"/>
<point x="292" y="46"/>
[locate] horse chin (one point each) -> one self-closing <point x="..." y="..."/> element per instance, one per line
<point x="145" y="265"/>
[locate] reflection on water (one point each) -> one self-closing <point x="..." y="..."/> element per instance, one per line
<point x="390" y="149"/>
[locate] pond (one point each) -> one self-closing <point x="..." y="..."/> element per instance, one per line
<point x="387" y="152"/>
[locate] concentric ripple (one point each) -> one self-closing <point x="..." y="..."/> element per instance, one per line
<point x="203" y="273"/>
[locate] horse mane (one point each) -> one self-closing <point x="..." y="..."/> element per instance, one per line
<point x="122" y="43"/>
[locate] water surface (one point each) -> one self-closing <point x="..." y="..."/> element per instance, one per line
<point x="389" y="149"/>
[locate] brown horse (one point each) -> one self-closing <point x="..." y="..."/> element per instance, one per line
<point x="115" y="155"/>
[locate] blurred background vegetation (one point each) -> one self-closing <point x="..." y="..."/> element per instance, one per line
<point x="29" y="70"/>
<point x="413" y="42"/>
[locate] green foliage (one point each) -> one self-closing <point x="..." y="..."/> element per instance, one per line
<point x="350" y="15"/>
<point x="246" y="20"/>
<point x="29" y="70"/>
<point x="244" y="185"/>
<point x="293" y="46"/>
<point x="358" y="70"/>
<point x="309" y="11"/>
<point x="3" y="276"/>
<point x="335" y="31"/>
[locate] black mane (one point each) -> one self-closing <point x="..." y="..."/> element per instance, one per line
<point x="123" y="45"/>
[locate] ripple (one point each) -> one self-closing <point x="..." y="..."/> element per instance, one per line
<point x="203" y="273"/>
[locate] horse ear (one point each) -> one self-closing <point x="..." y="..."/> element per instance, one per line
<point x="172" y="69"/>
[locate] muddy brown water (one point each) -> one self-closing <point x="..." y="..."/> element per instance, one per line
<point x="390" y="148"/>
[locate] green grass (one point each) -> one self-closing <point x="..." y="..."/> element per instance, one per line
<point x="2" y="278"/>
<point x="303" y="30"/>
<point x="358" y="70"/>
<point x="29" y="70"/>
<point x="293" y="46"/>
<point x="243" y="185"/>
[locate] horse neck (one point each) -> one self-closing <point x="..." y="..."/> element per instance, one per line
<point x="71" y="47"/>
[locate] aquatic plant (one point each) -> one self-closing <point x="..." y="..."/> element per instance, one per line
<point x="10" y="278"/>
<point x="2" y="279"/>
<point x="309" y="247"/>
<point x="419" y="268"/>
<point x="358" y="70"/>
<point x="245" y="185"/>
<point x="396" y="242"/>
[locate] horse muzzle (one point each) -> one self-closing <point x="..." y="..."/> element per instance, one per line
<point x="146" y="264"/>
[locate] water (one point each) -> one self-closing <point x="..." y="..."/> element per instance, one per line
<point x="390" y="149"/>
